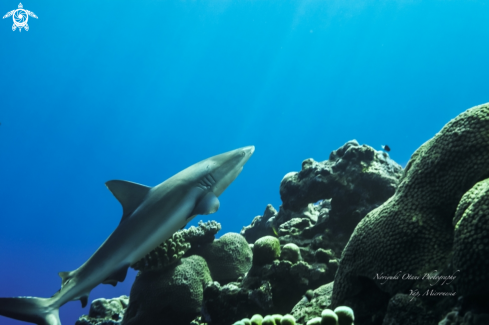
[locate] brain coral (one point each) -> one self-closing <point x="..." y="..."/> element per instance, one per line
<point x="228" y="257"/>
<point x="266" y="250"/>
<point x="412" y="232"/>
<point x="471" y="243"/>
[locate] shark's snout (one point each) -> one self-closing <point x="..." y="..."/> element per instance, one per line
<point x="247" y="152"/>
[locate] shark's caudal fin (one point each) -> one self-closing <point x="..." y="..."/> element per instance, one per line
<point x="30" y="309"/>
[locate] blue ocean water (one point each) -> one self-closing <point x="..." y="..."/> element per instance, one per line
<point x="138" y="91"/>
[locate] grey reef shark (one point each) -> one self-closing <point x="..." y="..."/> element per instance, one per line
<point x="150" y="216"/>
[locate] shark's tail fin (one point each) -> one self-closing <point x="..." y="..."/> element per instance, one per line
<point x="39" y="311"/>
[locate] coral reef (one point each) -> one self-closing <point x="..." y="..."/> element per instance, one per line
<point x="413" y="231"/>
<point x="324" y="202"/>
<point x="311" y="306"/>
<point x="291" y="252"/>
<point x="471" y="241"/>
<point x="390" y="228"/>
<point x="170" y="295"/>
<point x="174" y="248"/>
<point x="295" y="249"/>
<point x="228" y="257"/>
<point x="342" y="315"/>
<point x="469" y="318"/>
<point x="172" y="289"/>
<point x="105" y="312"/>
<point x="266" y="250"/>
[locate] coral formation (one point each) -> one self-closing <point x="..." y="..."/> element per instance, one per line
<point x="313" y="305"/>
<point x="177" y="285"/>
<point x="173" y="295"/>
<point x="105" y="312"/>
<point x="305" y="232"/>
<point x="356" y="179"/>
<point x="291" y="252"/>
<point x="323" y="202"/>
<point x="432" y="219"/>
<point x="228" y="257"/>
<point x="266" y="250"/>
<point x="307" y="235"/>
<point x="471" y="241"/>
<point x="342" y="315"/>
<point x="174" y="248"/>
<point x="413" y="230"/>
<point x="329" y="317"/>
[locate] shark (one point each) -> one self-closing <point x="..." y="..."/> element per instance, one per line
<point x="150" y="216"/>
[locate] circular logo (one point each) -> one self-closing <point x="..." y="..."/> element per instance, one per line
<point x="20" y="17"/>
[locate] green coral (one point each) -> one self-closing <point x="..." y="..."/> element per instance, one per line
<point x="471" y="242"/>
<point x="165" y="254"/>
<point x="277" y="318"/>
<point x="345" y="315"/>
<point x="172" y="294"/>
<point x="412" y="231"/>
<point x="266" y="250"/>
<point x="228" y="257"/>
<point x="329" y="317"/>
<point x="287" y="320"/>
<point x="256" y="319"/>
<point x="269" y="320"/>
<point x="174" y="248"/>
<point x="291" y="252"/>
<point x="314" y="321"/>
<point x="342" y="315"/>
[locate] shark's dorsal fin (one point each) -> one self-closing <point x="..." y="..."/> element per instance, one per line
<point x="129" y="194"/>
<point x="65" y="277"/>
<point x="117" y="276"/>
<point x="207" y="205"/>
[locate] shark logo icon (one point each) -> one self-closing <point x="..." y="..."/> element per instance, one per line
<point x="20" y="17"/>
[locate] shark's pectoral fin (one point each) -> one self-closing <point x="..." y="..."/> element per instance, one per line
<point x="207" y="205"/>
<point x="112" y="282"/>
<point x="129" y="194"/>
<point x="117" y="276"/>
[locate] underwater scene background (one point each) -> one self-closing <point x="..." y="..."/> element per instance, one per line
<point x="138" y="91"/>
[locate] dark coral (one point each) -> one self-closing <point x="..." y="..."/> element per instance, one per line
<point x="174" y="248"/>
<point x="412" y="232"/>
<point x="228" y="257"/>
<point x="358" y="180"/>
<point x="329" y="198"/>
<point x="171" y="296"/>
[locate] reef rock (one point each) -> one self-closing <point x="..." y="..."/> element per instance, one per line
<point x="328" y="198"/>
<point x="272" y="286"/>
<point x="321" y="206"/>
<point x="356" y="178"/>
<point x="105" y="312"/>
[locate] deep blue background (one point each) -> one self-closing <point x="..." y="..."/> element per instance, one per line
<point x="140" y="90"/>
